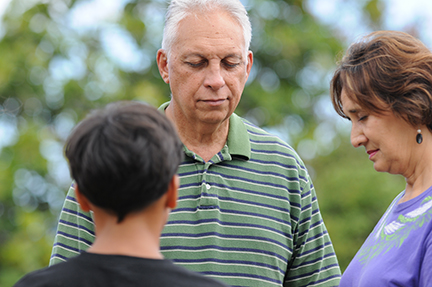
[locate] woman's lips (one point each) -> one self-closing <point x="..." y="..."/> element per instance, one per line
<point x="372" y="153"/>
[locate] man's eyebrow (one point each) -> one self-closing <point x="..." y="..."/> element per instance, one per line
<point x="233" y="56"/>
<point x="194" y="55"/>
<point x="204" y="57"/>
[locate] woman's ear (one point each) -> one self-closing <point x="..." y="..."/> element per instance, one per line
<point x="82" y="200"/>
<point x="171" y="198"/>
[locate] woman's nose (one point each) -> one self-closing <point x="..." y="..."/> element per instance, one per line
<point x="358" y="138"/>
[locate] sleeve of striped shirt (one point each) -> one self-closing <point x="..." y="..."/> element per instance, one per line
<point x="314" y="261"/>
<point x="75" y="230"/>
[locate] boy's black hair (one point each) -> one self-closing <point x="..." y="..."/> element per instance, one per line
<point x="124" y="156"/>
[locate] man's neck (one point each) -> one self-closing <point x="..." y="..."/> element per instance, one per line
<point x="203" y="139"/>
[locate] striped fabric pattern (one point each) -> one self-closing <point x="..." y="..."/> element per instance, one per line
<point x="248" y="217"/>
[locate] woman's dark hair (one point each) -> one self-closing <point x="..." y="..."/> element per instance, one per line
<point x="124" y="156"/>
<point x="387" y="70"/>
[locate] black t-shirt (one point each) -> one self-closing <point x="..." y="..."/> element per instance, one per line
<point x="93" y="270"/>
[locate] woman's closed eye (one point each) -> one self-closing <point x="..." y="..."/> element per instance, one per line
<point x="362" y="118"/>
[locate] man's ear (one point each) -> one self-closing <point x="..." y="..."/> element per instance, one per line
<point x="172" y="193"/>
<point x="162" y="62"/>
<point x="249" y="62"/>
<point x="82" y="200"/>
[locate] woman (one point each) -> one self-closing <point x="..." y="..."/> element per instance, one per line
<point x="383" y="85"/>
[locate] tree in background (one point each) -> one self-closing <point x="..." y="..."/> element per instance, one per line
<point x="61" y="58"/>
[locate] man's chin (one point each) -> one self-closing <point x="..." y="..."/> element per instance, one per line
<point x="214" y="117"/>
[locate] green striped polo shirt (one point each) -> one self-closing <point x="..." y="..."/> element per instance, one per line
<point x="248" y="217"/>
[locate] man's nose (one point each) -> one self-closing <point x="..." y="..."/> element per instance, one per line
<point x="214" y="78"/>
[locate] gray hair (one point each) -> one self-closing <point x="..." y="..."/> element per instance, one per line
<point x="179" y="9"/>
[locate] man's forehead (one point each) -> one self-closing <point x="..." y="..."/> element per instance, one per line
<point x="204" y="48"/>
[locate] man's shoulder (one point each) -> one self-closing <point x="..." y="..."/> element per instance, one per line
<point x="266" y="138"/>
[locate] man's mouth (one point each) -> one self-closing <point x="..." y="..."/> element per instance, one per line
<point x="214" y="102"/>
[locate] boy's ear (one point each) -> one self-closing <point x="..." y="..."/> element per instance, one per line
<point x="82" y="200"/>
<point x="172" y="192"/>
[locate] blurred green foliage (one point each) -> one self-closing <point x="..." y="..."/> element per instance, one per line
<point x="55" y="68"/>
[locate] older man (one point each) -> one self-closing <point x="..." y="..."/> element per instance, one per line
<point x="247" y="212"/>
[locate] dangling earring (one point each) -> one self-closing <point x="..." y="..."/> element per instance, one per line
<point x="419" y="137"/>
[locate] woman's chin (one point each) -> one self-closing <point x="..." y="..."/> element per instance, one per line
<point x="379" y="168"/>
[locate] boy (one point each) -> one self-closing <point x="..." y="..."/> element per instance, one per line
<point x="124" y="160"/>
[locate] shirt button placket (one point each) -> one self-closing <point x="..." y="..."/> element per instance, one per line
<point x="206" y="187"/>
<point x="205" y="199"/>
